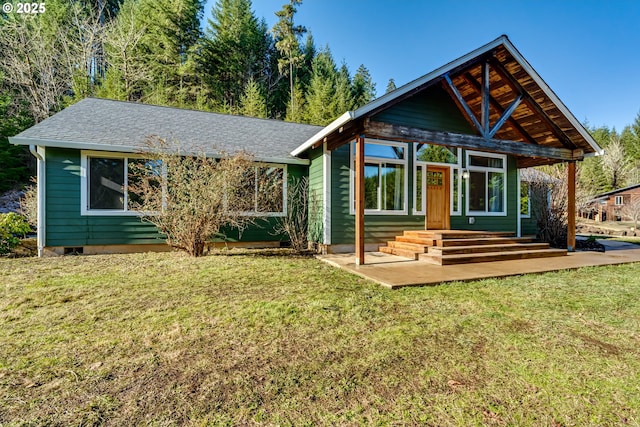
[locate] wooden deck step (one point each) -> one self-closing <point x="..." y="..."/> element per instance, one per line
<point x="476" y="249"/>
<point x="491" y="256"/>
<point x="483" y="241"/>
<point x="417" y="247"/>
<point x="406" y="253"/>
<point x="456" y="234"/>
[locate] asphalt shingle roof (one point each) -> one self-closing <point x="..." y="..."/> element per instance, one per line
<point x="125" y="126"/>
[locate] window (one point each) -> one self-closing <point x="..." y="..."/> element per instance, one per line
<point x="525" y="199"/>
<point x="265" y="187"/>
<point x="619" y="201"/>
<point x="426" y="154"/>
<point x="385" y="178"/>
<point x="486" y="187"/>
<point x="106" y="181"/>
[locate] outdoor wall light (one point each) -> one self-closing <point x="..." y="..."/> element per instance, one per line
<point x="465" y="174"/>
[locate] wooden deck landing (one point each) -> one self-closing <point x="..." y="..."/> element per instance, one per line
<point x="447" y="247"/>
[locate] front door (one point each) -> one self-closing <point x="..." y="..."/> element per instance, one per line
<point x="437" y="198"/>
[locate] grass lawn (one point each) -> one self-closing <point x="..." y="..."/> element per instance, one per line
<point x="162" y="339"/>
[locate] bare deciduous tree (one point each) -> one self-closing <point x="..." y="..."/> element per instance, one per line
<point x="631" y="210"/>
<point x="615" y="163"/>
<point x="190" y="197"/>
<point x="549" y="202"/>
<point x="46" y="57"/>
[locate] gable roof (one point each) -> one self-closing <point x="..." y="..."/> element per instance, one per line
<point x="541" y="119"/>
<point x="101" y="124"/>
<point x="613" y="192"/>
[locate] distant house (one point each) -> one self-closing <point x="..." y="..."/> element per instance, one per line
<point x="442" y="152"/>
<point x="615" y="205"/>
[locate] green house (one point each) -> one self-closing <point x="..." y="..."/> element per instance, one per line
<point x="441" y="152"/>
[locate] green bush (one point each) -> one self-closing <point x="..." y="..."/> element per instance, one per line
<point x="12" y="225"/>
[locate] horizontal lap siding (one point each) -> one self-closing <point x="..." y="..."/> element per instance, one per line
<point x="316" y="192"/>
<point x="64" y="224"/>
<point x="433" y="109"/>
<point x="67" y="227"/>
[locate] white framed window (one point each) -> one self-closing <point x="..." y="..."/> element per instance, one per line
<point x="105" y="179"/>
<point x="429" y="154"/>
<point x="266" y="186"/>
<point x="486" y="189"/>
<point x="385" y="178"/>
<point x="619" y="201"/>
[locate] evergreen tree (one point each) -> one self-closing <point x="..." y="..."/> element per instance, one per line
<point x="391" y="86"/>
<point x="234" y="51"/>
<point x="364" y="89"/>
<point x="252" y="102"/>
<point x="287" y="43"/>
<point x="299" y="113"/>
<point x="150" y="50"/>
<point x="343" y="96"/>
<point x="322" y="105"/>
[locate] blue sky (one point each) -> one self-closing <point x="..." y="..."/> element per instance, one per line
<point x="587" y="51"/>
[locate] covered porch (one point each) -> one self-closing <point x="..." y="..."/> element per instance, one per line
<point x="489" y="110"/>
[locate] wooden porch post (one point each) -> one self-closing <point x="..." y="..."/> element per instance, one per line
<point x="571" y="207"/>
<point x="359" y="200"/>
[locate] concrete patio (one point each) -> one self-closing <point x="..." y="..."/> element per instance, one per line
<point x="395" y="272"/>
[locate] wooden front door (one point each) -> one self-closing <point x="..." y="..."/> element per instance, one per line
<point x="437" y="198"/>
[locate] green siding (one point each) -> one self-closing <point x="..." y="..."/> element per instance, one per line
<point x="377" y="228"/>
<point x="432" y="109"/>
<point x="380" y="228"/>
<point x="65" y="226"/>
<point x="316" y="192"/>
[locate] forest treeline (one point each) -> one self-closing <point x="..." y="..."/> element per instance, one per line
<point x="161" y="52"/>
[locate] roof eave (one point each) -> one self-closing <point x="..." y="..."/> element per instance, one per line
<point x="329" y="129"/>
<point x="598" y="151"/>
<point x="17" y="140"/>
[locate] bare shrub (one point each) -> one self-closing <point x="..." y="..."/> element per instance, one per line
<point x="301" y="207"/>
<point x="190" y="196"/>
<point x="549" y="203"/>
<point x="29" y="203"/>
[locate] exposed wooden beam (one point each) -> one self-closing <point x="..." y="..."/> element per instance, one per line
<point x="530" y="102"/>
<point x="496" y="105"/>
<point x="464" y="104"/>
<point x="359" y="214"/>
<point x="505" y="115"/>
<point x="486" y="90"/>
<point x="472" y="142"/>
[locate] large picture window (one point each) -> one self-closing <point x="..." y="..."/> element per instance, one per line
<point x="385" y="178"/>
<point x="106" y="182"/>
<point x="486" y="187"/>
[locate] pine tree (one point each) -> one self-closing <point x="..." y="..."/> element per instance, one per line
<point x="298" y="113"/>
<point x="252" y="101"/>
<point x="391" y="86"/>
<point x="287" y="43"/>
<point x="364" y="89"/>
<point x="321" y="97"/>
<point x="234" y="51"/>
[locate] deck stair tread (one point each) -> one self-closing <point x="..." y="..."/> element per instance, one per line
<point x="491" y="256"/>
<point x="508" y="247"/>
<point x="445" y="247"/>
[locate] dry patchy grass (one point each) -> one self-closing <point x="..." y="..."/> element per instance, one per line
<point x="162" y="339"/>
